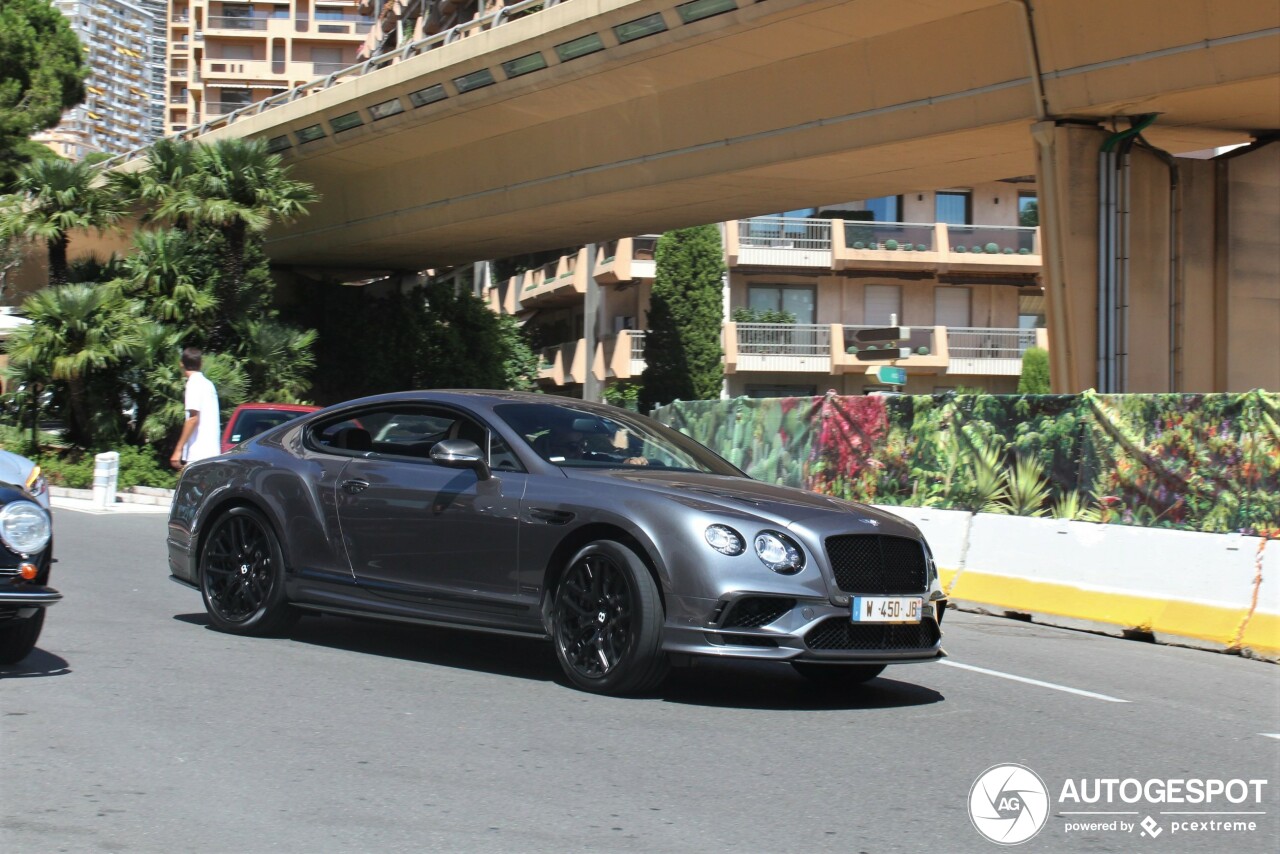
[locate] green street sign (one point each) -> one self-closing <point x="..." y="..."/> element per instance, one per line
<point x="890" y="375"/>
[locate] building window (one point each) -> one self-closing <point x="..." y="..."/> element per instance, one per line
<point x="1028" y="209"/>
<point x="882" y="305"/>
<point x="797" y="301"/>
<point x="885" y="209"/>
<point x="954" y="207"/>
<point x="951" y="306"/>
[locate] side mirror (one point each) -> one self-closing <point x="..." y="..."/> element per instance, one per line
<point x="460" y="454"/>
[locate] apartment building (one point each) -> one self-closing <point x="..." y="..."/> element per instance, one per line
<point x="119" y="47"/>
<point x="227" y="54"/>
<point x="960" y="266"/>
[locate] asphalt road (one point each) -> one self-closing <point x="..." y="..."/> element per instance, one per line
<point x="135" y="727"/>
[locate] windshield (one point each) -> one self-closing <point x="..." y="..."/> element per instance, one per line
<point x="579" y="438"/>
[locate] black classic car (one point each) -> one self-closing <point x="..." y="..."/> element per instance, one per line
<point x="626" y="543"/>
<point x="26" y="555"/>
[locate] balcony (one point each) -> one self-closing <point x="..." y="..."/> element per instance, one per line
<point x="784" y="242"/>
<point x="990" y="352"/>
<point x="336" y="25"/>
<point x="236" y="24"/>
<point x="626" y="260"/>
<point x="559" y="282"/>
<point x="620" y="357"/>
<point x="856" y="244"/>
<point x="564" y="364"/>
<point x="778" y="347"/>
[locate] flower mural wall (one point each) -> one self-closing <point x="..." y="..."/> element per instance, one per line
<point x="1193" y="462"/>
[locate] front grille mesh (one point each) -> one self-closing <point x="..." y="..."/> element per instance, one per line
<point x="872" y="563"/>
<point x="755" y="611"/>
<point x="842" y="633"/>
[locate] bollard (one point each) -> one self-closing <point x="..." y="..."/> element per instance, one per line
<point x="106" y="472"/>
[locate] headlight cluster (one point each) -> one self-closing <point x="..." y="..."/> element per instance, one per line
<point x="775" y="549"/>
<point x="24" y="527"/>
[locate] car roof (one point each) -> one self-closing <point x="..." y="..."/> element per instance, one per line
<point x="288" y="407"/>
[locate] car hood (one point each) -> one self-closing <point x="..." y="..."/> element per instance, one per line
<point x="14" y="469"/>
<point x="783" y="504"/>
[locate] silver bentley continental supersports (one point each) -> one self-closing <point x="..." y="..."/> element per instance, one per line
<point x="625" y="543"/>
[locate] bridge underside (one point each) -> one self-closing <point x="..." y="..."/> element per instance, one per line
<point x="778" y="105"/>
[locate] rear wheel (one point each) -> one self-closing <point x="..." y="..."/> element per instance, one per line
<point x="607" y="621"/>
<point x="242" y="575"/>
<point x="838" y="675"/>
<point x="18" y="638"/>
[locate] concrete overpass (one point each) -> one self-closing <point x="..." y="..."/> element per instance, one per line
<point x="765" y="106"/>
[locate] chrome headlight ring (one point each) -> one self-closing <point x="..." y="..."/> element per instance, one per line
<point x="25" y="527"/>
<point x="779" y="552"/>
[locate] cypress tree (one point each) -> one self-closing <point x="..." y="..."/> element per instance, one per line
<point x="1035" y="372"/>
<point x="682" y="346"/>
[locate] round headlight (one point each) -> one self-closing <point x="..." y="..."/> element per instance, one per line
<point x="24" y="527"/>
<point x="779" y="553"/>
<point x="725" y="540"/>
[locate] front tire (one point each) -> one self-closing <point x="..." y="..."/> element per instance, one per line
<point x="607" y="620"/>
<point x="838" y="675"/>
<point x="19" y="638"/>
<point x="242" y="575"/>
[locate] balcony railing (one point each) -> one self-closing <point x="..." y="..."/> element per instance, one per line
<point x="779" y="232"/>
<point x="901" y="236"/>
<point x="972" y="342"/>
<point x="784" y="339"/>
<point x="238" y="22"/>
<point x="992" y="239"/>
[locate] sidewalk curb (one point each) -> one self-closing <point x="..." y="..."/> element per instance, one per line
<point x="137" y="495"/>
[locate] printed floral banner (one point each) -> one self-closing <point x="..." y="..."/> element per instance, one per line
<point x="1195" y="462"/>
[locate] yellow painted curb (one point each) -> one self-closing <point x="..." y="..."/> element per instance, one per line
<point x="1211" y="623"/>
<point x="1262" y="635"/>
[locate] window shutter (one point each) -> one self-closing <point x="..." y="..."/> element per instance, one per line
<point x="882" y="301"/>
<point x="951" y="307"/>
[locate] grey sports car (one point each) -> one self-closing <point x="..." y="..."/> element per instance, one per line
<point x="626" y="543"/>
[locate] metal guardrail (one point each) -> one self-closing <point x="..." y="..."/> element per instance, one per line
<point x="975" y="342"/>
<point x="488" y="21"/>
<point x="784" y="339"/>
<point x="781" y="232"/>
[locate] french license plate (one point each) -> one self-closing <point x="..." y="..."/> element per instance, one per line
<point x="887" y="609"/>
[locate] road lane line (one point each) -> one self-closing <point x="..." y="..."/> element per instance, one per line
<point x="1269" y="734"/>
<point x="1051" y="685"/>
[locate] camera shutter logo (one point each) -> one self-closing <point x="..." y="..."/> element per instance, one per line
<point x="1008" y="804"/>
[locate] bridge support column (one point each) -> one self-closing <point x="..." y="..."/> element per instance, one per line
<point x="1161" y="274"/>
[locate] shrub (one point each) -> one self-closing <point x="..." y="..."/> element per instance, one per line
<point x="1035" y="372"/>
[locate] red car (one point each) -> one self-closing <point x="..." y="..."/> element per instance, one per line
<point x="250" y="419"/>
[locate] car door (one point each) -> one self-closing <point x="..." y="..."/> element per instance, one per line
<point x="415" y="530"/>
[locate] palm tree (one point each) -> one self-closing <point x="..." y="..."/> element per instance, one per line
<point x="155" y="186"/>
<point x="238" y="188"/>
<point x="167" y="275"/>
<point x="78" y="331"/>
<point x="55" y="198"/>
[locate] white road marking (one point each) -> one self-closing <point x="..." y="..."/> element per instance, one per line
<point x="1027" y="681"/>
<point x="1270" y="734"/>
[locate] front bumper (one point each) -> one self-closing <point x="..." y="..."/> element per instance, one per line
<point x="20" y="600"/>
<point x="811" y="630"/>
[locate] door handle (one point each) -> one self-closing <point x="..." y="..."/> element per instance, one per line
<point x="355" y="486"/>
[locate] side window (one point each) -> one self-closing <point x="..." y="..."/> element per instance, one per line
<point x="407" y="431"/>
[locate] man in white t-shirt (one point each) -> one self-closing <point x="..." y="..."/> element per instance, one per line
<point x="202" y="432"/>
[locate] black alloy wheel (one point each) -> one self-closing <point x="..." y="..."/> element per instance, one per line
<point x="838" y="675"/>
<point x="242" y="575"/>
<point x="19" y="637"/>
<point x="607" y="621"/>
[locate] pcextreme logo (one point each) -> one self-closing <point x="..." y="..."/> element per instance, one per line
<point x="1008" y="804"/>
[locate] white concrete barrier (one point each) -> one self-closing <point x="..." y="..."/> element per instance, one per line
<point x="1214" y="591"/>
